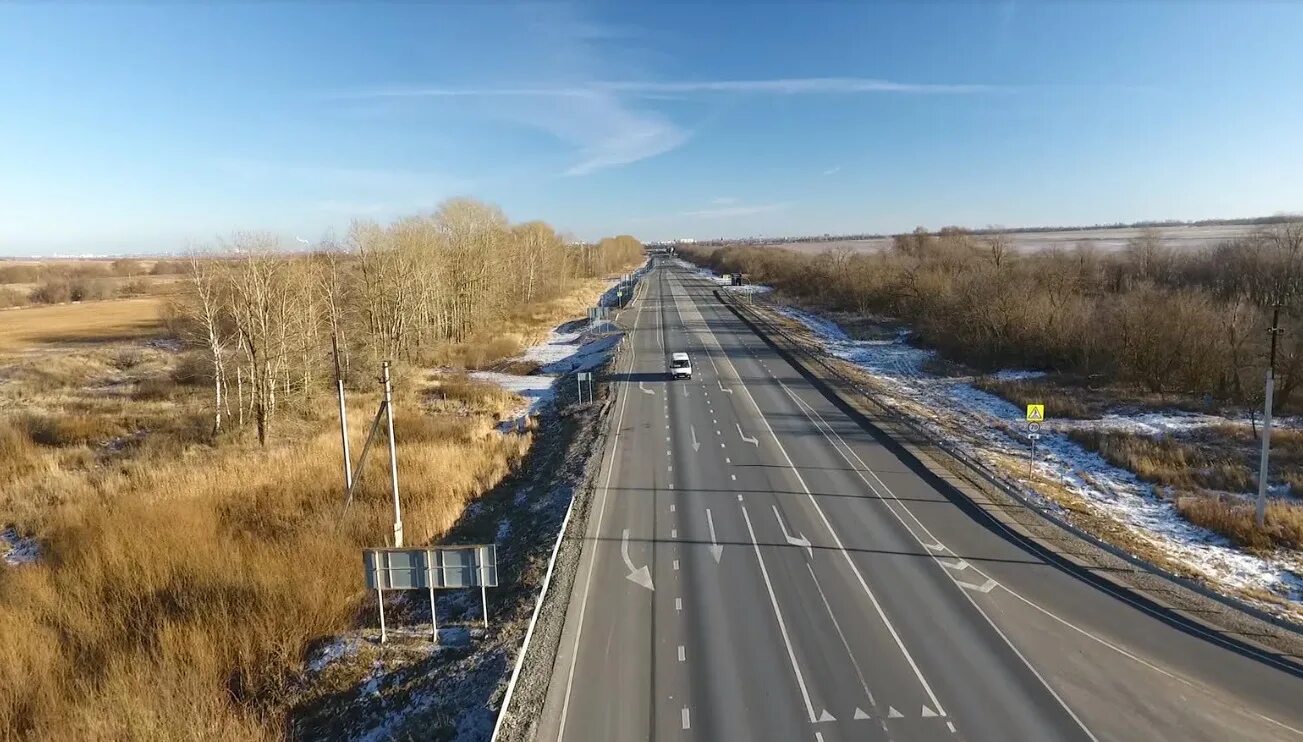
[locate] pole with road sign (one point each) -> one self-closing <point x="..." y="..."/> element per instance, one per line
<point x="1035" y="416"/>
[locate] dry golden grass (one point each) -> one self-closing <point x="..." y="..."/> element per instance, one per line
<point x="181" y="578"/>
<point x="1169" y="461"/>
<point x="89" y="322"/>
<point x="1235" y="518"/>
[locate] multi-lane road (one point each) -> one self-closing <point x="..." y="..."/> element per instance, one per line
<point x="759" y="567"/>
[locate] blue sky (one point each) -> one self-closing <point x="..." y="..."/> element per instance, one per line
<point x="148" y="128"/>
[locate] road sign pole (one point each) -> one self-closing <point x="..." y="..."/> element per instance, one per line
<point x="380" y="595"/>
<point x="484" y="597"/>
<point x="434" y="622"/>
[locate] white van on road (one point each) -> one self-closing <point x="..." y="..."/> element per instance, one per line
<point x="680" y="366"/>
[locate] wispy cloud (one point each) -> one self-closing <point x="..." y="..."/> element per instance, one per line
<point x="600" y="119"/>
<point x="723" y="200"/>
<point x="833" y="170"/>
<point x="792" y="86"/>
<point x="742" y="210"/>
<point x="778" y="86"/>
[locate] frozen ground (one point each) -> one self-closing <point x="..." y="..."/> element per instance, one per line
<point x="16" y="550"/>
<point x="1105" y="240"/>
<point x="566" y="350"/>
<point x="991" y="430"/>
<point x="562" y="353"/>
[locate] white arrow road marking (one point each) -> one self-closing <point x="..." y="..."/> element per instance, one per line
<point x="985" y="587"/>
<point x="859" y="713"/>
<point x="928" y="713"/>
<point x="645" y="390"/>
<point x="716" y="550"/>
<point x="892" y="713"/>
<point x="825" y="716"/>
<point x="696" y="446"/>
<point x="752" y="441"/>
<point x="722" y="389"/>
<point x="641" y="575"/>
<point x="802" y="541"/>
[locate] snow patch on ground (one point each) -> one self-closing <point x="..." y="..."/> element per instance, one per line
<point x="988" y="428"/>
<point x="564" y="351"/>
<point x="16" y="550"/>
<point x="338" y="648"/>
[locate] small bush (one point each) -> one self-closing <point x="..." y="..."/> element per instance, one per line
<point x="136" y="287"/>
<point x="11" y="297"/>
<point x="69" y="430"/>
<point x="168" y="268"/>
<point x="127" y="267"/>
<point x="194" y="369"/>
<point x="19" y="274"/>
<point x="152" y="390"/>
<point x="52" y="291"/>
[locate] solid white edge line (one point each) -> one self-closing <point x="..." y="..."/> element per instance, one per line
<point x="538" y="603"/>
<point x="601" y="513"/>
<point x="782" y="625"/>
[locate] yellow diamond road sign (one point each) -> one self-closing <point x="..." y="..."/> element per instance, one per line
<point x="1035" y="413"/>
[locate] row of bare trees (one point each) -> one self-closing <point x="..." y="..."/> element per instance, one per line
<point x="269" y="317"/>
<point x="1169" y="321"/>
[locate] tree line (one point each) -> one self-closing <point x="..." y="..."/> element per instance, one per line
<point x="1171" y="322"/>
<point x="268" y="320"/>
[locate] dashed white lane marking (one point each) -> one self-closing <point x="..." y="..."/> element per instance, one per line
<point x="713" y="420"/>
<point x="674" y="533"/>
<point x="739" y="497"/>
<point x="683" y="653"/>
<point x="678" y="604"/>
<point x="951" y="726"/>
<point x="671" y="485"/>
<point x="671" y="467"/>
<point x="718" y="433"/>
<point x="676" y="565"/>
<point x="721" y="445"/>
<point x="671" y="508"/>
<point x="734" y="476"/>
<point x="687" y="724"/>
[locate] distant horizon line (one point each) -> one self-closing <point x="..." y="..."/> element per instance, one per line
<point x="1278" y="218"/>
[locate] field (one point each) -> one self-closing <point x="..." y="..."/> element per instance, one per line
<point x="85" y="322"/>
<point x="1104" y="240"/>
<point x="179" y="511"/>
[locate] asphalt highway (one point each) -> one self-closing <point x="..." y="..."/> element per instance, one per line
<point x="759" y="567"/>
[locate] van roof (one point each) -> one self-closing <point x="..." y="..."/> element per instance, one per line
<point x="679" y="356"/>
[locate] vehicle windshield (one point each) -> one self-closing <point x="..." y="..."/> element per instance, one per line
<point x="680" y="362"/>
